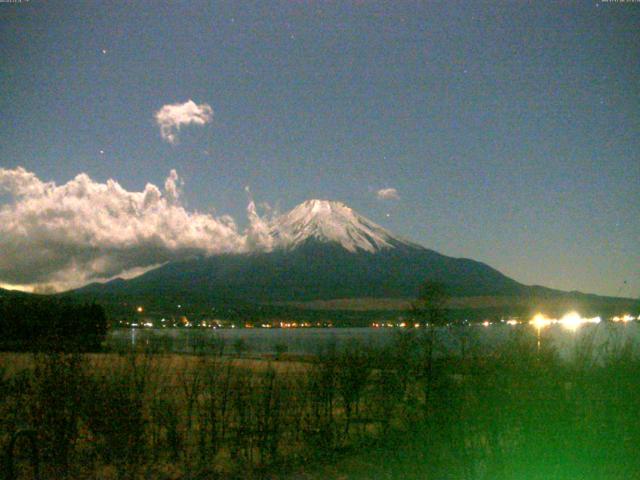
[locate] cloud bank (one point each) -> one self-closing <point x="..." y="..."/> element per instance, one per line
<point x="388" y="194"/>
<point x="70" y="234"/>
<point x="170" y="118"/>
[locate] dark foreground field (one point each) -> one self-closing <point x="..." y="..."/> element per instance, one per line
<point x="359" y="412"/>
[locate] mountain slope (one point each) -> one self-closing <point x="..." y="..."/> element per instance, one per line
<point x="316" y="270"/>
<point x="322" y="250"/>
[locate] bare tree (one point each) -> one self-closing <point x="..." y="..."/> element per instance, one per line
<point x="430" y="311"/>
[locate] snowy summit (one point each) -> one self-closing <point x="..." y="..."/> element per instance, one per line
<point x="331" y="221"/>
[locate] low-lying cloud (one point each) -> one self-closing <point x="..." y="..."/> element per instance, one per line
<point x="388" y="194"/>
<point x="170" y="118"/>
<point x="83" y="230"/>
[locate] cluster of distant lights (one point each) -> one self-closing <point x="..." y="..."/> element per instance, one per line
<point x="573" y="320"/>
<point x="184" y="322"/>
<point x="570" y="321"/>
<point x="394" y="325"/>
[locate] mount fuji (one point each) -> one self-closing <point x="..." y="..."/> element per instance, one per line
<point x="320" y="251"/>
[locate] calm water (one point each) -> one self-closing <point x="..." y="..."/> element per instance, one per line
<point x="605" y="337"/>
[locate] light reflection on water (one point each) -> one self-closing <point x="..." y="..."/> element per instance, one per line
<point x="602" y="338"/>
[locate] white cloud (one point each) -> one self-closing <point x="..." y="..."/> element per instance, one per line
<point x="67" y="235"/>
<point x="170" y="118"/>
<point x="388" y="194"/>
<point x="259" y="230"/>
<point x="258" y="233"/>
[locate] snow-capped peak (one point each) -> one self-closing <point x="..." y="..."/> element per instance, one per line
<point x="330" y="221"/>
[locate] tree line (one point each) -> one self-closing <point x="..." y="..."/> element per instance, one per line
<point x="45" y="323"/>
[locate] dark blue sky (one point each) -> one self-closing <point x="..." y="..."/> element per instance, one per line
<point x="510" y="131"/>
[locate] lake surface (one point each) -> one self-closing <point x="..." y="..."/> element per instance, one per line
<point x="604" y="337"/>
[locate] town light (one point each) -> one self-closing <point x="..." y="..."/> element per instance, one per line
<point x="571" y="321"/>
<point x="540" y="321"/>
<point x="625" y="318"/>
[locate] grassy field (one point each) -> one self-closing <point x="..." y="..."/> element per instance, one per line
<point x="358" y="412"/>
